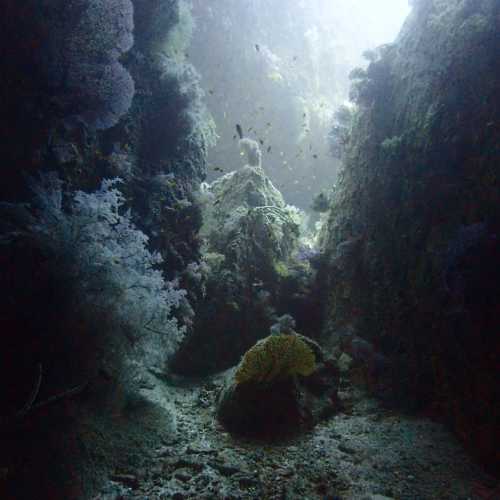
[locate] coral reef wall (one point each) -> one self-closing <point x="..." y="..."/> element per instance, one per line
<point x="62" y="77"/>
<point x="90" y="90"/>
<point x="412" y="241"/>
<point x="166" y="134"/>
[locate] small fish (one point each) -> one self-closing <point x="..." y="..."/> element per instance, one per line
<point x="261" y="142"/>
<point x="211" y="92"/>
<point x="257" y="47"/>
<point x="269" y="149"/>
<point x="239" y="130"/>
<point x="315" y="157"/>
<point x="295" y="58"/>
<point x="218" y="169"/>
<point x="235" y="137"/>
<point x="250" y="129"/>
<point x="216" y="202"/>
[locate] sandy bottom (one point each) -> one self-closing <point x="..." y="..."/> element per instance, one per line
<point x="364" y="452"/>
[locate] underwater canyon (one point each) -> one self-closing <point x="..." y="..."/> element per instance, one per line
<point x="248" y="252"/>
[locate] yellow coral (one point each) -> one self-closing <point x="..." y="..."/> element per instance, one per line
<point x="276" y="357"/>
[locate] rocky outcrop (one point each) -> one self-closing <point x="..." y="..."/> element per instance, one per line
<point x="101" y="98"/>
<point x="413" y="236"/>
<point x="247" y="197"/>
<point x="283" y="384"/>
<point x="160" y="146"/>
<point x="250" y="237"/>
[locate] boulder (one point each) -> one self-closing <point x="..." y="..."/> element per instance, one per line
<point x="292" y="387"/>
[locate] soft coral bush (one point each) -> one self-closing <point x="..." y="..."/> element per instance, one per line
<point x="103" y="275"/>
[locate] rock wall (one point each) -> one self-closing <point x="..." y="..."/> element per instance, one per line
<point x="412" y="241"/>
<point x="90" y="90"/>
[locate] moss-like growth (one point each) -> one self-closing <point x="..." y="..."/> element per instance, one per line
<point x="282" y="270"/>
<point x="276" y="357"/>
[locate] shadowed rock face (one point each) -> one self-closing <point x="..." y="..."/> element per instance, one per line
<point x="419" y="196"/>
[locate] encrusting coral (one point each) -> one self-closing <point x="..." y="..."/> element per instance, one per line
<point x="276" y="357"/>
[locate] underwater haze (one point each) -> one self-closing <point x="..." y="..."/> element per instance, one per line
<point x="281" y="70"/>
<point x="249" y="249"/>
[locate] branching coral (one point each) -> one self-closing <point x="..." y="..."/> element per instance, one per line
<point x="274" y="358"/>
<point x="101" y="261"/>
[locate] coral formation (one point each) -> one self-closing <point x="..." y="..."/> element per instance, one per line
<point x="264" y="395"/>
<point x="83" y="59"/>
<point x="252" y="150"/>
<point x="255" y="234"/>
<point x="274" y="358"/>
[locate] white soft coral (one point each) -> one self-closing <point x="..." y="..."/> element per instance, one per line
<point x="252" y="149"/>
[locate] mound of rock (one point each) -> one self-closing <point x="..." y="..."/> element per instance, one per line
<point x="250" y="238"/>
<point x="245" y="204"/>
<point x="282" y="385"/>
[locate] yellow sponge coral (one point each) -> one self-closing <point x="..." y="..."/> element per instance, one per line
<point x="276" y="357"/>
